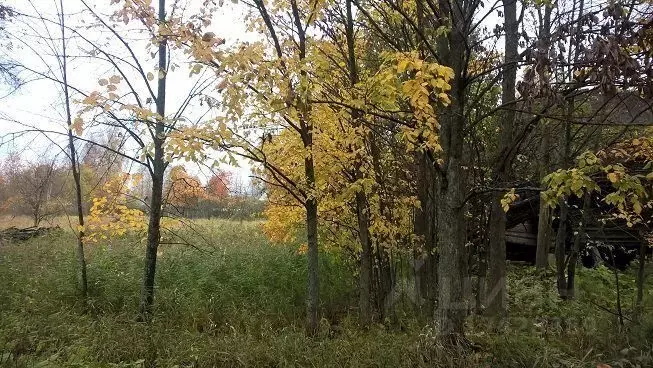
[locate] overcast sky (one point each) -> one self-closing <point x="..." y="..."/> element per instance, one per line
<point x="39" y="102"/>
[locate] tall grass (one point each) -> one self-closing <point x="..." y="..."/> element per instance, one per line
<point x="234" y="300"/>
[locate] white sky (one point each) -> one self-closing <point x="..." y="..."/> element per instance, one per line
<point x="39" y="102"/>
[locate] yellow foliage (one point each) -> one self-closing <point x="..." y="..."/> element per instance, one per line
<point x="110" y="215"/>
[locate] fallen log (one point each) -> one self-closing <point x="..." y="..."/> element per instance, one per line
<point x="14" y="234"/>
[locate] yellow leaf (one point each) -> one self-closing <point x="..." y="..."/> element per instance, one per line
<point x="444" y="98"/>
<point x="77" y="125"/>
<point x="613" y="177"/>
<point x="402" y="65"/>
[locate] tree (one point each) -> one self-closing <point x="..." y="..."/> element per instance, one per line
<point x="35" y="189"/>
<point x="497" y="222"/>
<point x="218" y="186"/>
<point x="184" y="191"/>
<point x="81" y="260"/>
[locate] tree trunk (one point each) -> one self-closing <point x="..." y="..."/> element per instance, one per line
<point x="362" y="210"/>
<point x="386" y="275"/>
<point x="496" y="299"/>
<point x="452" y="260"/>
<point x="366" y="259"/>
<point x="425" y="223"/>
<point x="544" y="220"/>
<point x="81" y="259"/>
<point x="153" y="240"/>
<point x="452" y="307"/>
<point x="481" y="292"/>
<point x="640" y="278"/>
<point x="496" y="304"/>
<point x="575" y="250"/>
<point x="544" y="230"/>
<point x="313" y="281"/>
<point x="543" y="236"/>
<point x="158" y="173"/>
<point x="561" y="242"/>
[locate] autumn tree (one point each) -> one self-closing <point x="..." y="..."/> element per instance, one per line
<point x="218" y="185"/>
<point x="37" y="188"/>
<point x="130" y="98"/>
<point x="183" y="191"/>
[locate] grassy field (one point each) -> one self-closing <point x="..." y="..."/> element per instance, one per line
<point x="238" y="301"/>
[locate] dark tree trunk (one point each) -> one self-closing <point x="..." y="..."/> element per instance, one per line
<point x="452" y="260"/>
<point x="153" y="240"/>
<point x="366" y="259"/>
<point x="452" y="264"/>
<point x="496" y="303"/>
<point x="425" y="216"/>
<point x="641" y="278"/>
<point x="81" y="259"/>
<point x="481" y="292"/>
<point x="384" y="260"/>
<point x="575" y="250"/>
<point x="560" y="251"/>
<point x="544" y="231"/>
<point x="362" y="210"/>
<point x="158" y="167"/>
<point x="543" y="236"/>
<point x="425" y="222"/>
<point x="313" y="281"/>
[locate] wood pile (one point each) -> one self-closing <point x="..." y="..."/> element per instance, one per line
<point x="14" y="234"/>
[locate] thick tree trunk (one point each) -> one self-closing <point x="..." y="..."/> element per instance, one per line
<point x="82" y="279"/>
<point x="497" y="297"/>
<point x="425" y="222"/>
<point x="451" y="189"/>
<point x="425" y="216"/>
<point x="543" y="236"/>
<point x="452" y="264"/>
<point x="158" y="173"/>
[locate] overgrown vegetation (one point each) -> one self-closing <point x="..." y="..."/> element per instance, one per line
<point x="239" y="303"/>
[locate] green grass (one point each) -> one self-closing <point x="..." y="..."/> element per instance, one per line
<point x="238" y="301"/>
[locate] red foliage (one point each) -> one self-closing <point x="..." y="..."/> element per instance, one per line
<point x="218" y="187"/>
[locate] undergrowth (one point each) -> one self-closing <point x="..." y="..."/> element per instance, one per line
<point x="237" y="301"/>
